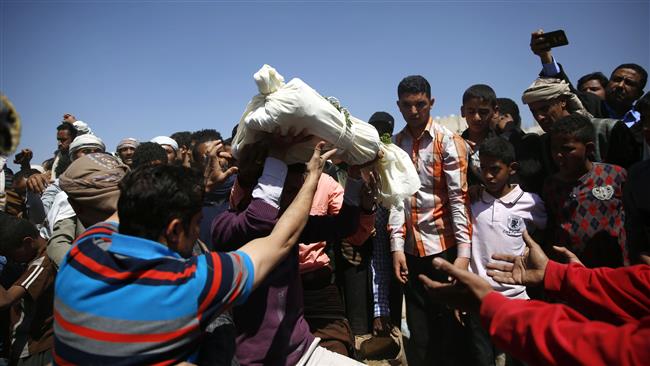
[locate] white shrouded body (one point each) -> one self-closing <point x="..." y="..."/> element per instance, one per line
<point x="295" y="104"/>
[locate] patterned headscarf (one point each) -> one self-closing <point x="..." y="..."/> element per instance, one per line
<point x="86" y="141"/>
<point x="92" y="181"/>
<point x="544" y="89"/>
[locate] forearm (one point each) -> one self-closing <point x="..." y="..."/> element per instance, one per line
<point x="267" y="252"/>
<point x="552" y="334"/>
<point x="231" y="230"/>
<point x="61" y="240"/>
<point x="615" y="296"/>
<point x="455" y="166"/>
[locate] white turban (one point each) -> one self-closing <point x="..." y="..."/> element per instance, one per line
<point x="128" y="142"/>
<point x="544" y="89"/>
<point x="82" y="128"/>
<point x="164" y="140"/>
<point x="86" y="141"/>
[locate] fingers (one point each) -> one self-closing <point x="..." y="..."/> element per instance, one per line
<point x="329" y="154"/>
<point x="500" y="266"/>
<point x="504" y="257"/>
<point x="502" y="277"/>
<point x="567" y="254"/>
<point x="230" y="171"/>
<point x="530" y="243"/>
<point x="431" y="284"/>
<point x="450" y="269"/>
<point x="398" y="274"/>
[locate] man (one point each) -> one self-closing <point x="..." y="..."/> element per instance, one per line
<point x="606" y="319"/>
<point x="167" y="295"/>
<point x="435" y="222"/>
<point x="65" y="134"/>
<point x="625" y="84"/>
<point x="594" y="83"/>
<point x="125" y="150"/>
<point x="88" y="195"/>
<point x="170" y="146"/>
<point x="551" y="99"/>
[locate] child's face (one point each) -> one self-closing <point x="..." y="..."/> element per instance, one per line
<point x="569" y="154"/>
<point x="495" y="172"/>
<point x="478" y="114"/>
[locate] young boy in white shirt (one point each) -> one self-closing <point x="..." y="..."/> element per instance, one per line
<point x="501" y="213"/>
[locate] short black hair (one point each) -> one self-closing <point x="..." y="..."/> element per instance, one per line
<point x="68" y="127"/>
<point x="182" y="138"/>
<point x="148" y="152"/>
<point x="598" y="76"/>
<point x="508" y="106"/>
<point x="643" y="103"/>
<point x="200" y="137"/>
<point x="482" y="92"/>
<point x="639" y="69"/>
<point x="205" y="135"/>
<point x="152" y="196"/>
<point x="498" y="148"/>
<point x="383" y="122"/>
<point x="414" y="84"/>
<point x="576" y="126"/>
<point x="12" y="232"/>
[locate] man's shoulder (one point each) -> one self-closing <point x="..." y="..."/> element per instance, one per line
<point x="442" y="131"/>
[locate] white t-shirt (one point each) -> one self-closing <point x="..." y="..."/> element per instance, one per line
<point x="497" y="227"/>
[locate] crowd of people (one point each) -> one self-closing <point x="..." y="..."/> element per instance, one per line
<point x="518" y="248"/>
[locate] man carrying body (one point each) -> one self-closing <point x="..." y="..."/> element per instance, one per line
<point x="167" y="296"/>
<point x="435" y="222"/>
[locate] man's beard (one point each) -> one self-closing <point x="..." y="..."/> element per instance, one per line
<point x="64" y="163"/>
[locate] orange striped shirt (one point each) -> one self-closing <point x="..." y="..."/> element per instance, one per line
<point x="437" y="217"/>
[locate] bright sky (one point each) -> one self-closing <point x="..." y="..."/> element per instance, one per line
<point x="145" y="68"/>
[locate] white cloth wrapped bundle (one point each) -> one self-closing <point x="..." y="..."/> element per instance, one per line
<point x="296" y="104"/>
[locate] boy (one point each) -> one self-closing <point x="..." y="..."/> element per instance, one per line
<point x="500" y="215"/>
<point x="478" y="109"/>
<point x="584" y="198"/>
<point x="31" y="296"/>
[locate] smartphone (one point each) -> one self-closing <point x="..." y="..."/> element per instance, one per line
<point x="555" y="39"/>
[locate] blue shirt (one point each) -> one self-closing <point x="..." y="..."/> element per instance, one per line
<point x="125" y="300"/>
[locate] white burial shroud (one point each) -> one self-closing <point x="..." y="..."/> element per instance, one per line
<point x="296" y="104"/>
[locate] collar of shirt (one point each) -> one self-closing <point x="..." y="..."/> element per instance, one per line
<point x="631" y="118"/>
<point x="133" y="246"/>
<point x="427" y="129"/>
<point x="509" y="199"/>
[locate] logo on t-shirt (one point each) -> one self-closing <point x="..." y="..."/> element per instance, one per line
<point x="514" y="226"/>
<point x="603" y="193"/>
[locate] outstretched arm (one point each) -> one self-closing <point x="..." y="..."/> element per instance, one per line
<point x="267" y="252"/>
<point x="552" y="334"/>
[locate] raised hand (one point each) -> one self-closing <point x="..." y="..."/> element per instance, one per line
<point x="214" y="173"/>
<point x="316" y="164"/>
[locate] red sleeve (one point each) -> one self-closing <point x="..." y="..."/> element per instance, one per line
<point x="553" y="334"/>
<point x="615" y="296"/>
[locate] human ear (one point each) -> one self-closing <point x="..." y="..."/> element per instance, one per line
<point x="173" y="232"/>
<point x="514" y="167"/>
<point x="433" y="100"/>
<point x="28" y="240"/>
<point x="462" y="111"/>
<point x="590" y="148"/>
